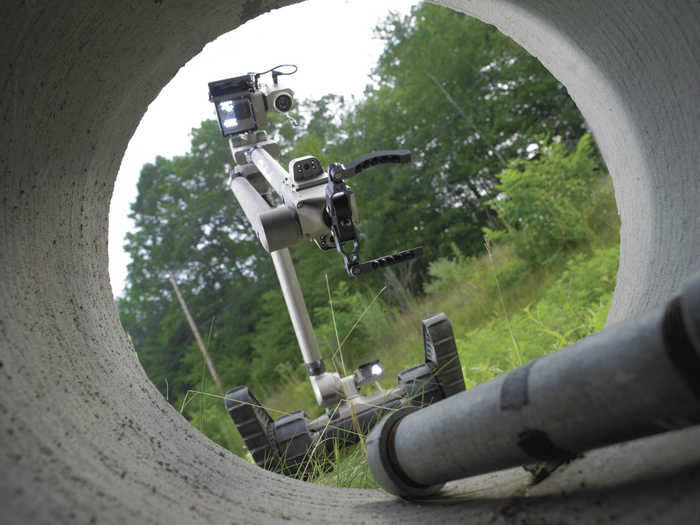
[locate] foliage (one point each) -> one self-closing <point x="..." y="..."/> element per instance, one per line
<point x="464" y="99"/>
<point x="205" y="410"/>
<point x="274" y="345"/>
<point x="467" y="104"/>
<point x="575" y="306"/>
<point x="573" y="302"/>
<point x="540" y="203"/>
<point x="349" y="470"/>
<point x="186" y="224"/>
<point x="445" y="273"/>
<point x="336" y="327"/>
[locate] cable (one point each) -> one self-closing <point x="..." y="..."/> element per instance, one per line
<point x="275" y="73"/>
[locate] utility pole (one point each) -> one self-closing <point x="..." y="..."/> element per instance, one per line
<point x="210" y="364"/>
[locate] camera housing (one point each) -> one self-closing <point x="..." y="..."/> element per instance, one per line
<point x="279" y="99"/>
<point x="304" y="172"/>
<point x="241" y="105"/>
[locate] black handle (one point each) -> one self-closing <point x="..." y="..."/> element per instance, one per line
<point x="339" y="172"/>
<point x="387" y="260"/>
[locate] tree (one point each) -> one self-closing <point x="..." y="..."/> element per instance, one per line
<point x="464" y="99"/>
<point x="187" y="222"/>
<point x="540" y="202"/>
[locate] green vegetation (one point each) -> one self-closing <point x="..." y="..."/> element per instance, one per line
<point x="535" y="312"/>
<point x="507" y="194"/>
<point x="543" y="214"/>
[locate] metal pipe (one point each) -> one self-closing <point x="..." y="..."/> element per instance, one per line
<point x="276" y="228"/>
<point x="271" y="170"/>
<point x="284" y="266"/>
<point x="252" y="204"/>
<point x="628" y="381"/>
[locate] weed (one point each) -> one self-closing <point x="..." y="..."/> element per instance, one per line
<point x="504" y="313"/>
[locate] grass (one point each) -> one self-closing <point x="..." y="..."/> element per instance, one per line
<point x="350" y="469"/>
<point x="504" y="313"/>
<point x="397" y="341"/>
<point x="500" y="321"/>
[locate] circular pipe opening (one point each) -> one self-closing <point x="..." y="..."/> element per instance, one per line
<point x="87" y="437"/>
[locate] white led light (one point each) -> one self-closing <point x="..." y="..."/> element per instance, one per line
<point x="226" y="105"/>
<point x="376" y="369"/>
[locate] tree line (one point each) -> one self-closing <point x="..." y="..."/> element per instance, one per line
<point x="468" y="103"/>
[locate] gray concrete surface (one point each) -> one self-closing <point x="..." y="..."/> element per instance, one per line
<point x="85" y="438"/>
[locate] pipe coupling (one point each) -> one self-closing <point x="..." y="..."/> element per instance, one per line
<point x="381" y="458"/>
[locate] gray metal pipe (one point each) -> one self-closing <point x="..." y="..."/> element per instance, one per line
<point x="271" y="170"/>
<point x="276" y="228"/>
<point x="284" y="267"/>
<point x="628" y="381"/>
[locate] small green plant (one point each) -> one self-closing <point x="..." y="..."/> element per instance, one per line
<point x="574" y="306"/>
<point x="540" y="204"/>
<point x="350" y="469"/>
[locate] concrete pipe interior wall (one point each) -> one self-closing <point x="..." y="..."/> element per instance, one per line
<point x="84" y="436"/>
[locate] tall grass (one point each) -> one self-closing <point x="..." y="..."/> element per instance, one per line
<point x="493" y="303"/>
<point x="504" y="312"/>
<point x="495" y="308"/>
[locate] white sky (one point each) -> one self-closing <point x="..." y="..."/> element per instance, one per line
<point x="330" y="40"/>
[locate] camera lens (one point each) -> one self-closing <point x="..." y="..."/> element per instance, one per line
<point x="283" y="102"/>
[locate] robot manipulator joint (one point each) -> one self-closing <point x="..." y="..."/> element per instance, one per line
<point x="317" y="205"/>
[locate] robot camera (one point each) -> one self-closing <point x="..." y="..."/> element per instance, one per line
<point x="242" y="104"/>
<point x="280" y="100"/>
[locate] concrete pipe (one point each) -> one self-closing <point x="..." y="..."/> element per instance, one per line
<point x="84" y="436"/>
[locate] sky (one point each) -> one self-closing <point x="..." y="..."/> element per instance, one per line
<point x="334" y="55"/>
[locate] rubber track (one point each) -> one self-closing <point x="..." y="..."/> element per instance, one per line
<point x="255" y="426"/>
<point x="441" y="354"/>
